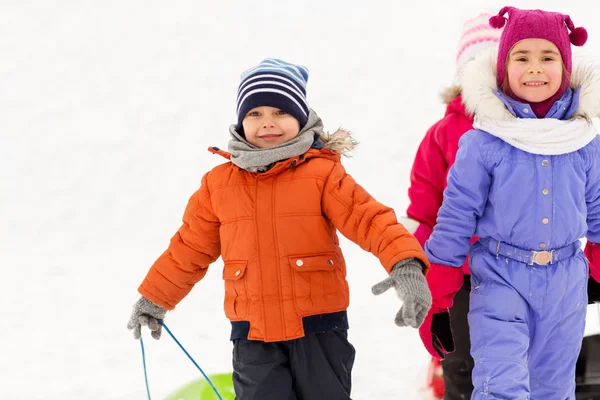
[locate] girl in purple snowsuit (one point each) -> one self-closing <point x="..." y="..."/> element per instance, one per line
<point x="526" y="181"/>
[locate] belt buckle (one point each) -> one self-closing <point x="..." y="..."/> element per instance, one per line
<point x="541" y="257"/>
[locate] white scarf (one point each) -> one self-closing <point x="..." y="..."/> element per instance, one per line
<point x="547" y="136"/>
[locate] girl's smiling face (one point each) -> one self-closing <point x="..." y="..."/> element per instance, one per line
<point x="534" y="69"/>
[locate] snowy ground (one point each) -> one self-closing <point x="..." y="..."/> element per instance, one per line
<point x="106" y="109"/>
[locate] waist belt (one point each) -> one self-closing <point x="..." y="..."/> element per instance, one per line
<point x="530" y="256"/>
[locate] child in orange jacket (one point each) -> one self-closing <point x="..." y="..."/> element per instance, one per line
<point x="271" y="212"/>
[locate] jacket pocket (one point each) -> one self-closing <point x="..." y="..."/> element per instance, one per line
<point x="319" y="283"/>
<point x="236" y="290"/>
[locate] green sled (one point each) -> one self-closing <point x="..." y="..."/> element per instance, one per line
<point x="200" y="389"/>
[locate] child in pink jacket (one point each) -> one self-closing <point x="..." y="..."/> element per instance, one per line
<point x="434" y="158"/>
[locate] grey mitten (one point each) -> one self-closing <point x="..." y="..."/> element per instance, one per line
<point x="410" y="284"/>
<point x="146" y="313"/>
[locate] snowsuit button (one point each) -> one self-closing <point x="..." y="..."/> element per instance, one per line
<point x="545" y="221"/>
<point x="238" y="272"/>
<point x="299" y="263"/>
<point x="526" y="111"/>
<point x="545" y="163"/>
<point x="545" y="191"/>
<point x="330" y="262"/>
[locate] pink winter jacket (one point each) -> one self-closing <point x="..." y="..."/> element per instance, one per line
<point x="435" y="156"/>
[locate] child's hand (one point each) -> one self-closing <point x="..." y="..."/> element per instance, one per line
<point x="146" y="313"/>
<point x="592" y="253"/>
<point x="410" y="284"/>
<point x="436" y="333"/>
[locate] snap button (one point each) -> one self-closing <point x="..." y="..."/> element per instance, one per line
<point x="545" y="163"/>
<point x="545" y="191"/>
<point x="330" y="262"/>
<point x="542" y="245"/>
<point x="545" y="221"/>
<point x="238" y="272"/>
<point x="526" y="111"/>
<point x="299" y="263"/>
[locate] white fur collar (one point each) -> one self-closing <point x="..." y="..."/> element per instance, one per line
<point x="478" y="80"/>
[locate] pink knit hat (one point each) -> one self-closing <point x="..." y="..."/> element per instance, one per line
<point x="477" y="35"/>
<point x="536" y="24"/>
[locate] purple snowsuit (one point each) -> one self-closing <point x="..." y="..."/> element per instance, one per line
<point x="526" y="321"/>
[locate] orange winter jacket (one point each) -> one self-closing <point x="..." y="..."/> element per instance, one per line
<point x="276" y="233"/>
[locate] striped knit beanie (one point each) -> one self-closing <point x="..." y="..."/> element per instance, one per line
<point x="274" y="83"/>
<point x="477" y="35"/>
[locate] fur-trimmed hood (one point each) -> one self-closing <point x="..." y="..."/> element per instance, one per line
<point x="478" y="81"/>
<point x="340" y="141"/>
<point x="450" y="93"/>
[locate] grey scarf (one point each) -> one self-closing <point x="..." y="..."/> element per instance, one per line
<point x="254" y="159"/>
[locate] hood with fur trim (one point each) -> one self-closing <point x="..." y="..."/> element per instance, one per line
<point x="340" y="142"/>
<point x="478" y="81"/>
<point x="447" y="95"/>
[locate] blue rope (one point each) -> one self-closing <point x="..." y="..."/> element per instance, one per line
<point x="145" y="371"/>
<point x="186" y="353"/>
<point x="190" y="357"/>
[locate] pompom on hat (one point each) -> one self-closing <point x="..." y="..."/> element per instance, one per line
<point x="535" y="24"/>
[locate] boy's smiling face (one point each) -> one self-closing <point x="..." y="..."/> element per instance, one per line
<point x="269" y="126"/>
<point x="534" y="69"/>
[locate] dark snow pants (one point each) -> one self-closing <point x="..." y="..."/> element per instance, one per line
<point x="458" y="366"/>
<point x="315" y="367"/>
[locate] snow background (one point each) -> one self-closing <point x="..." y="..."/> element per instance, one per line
<point x="106" y="111"/>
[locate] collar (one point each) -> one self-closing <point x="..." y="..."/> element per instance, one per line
<point x="562" y="109"/>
